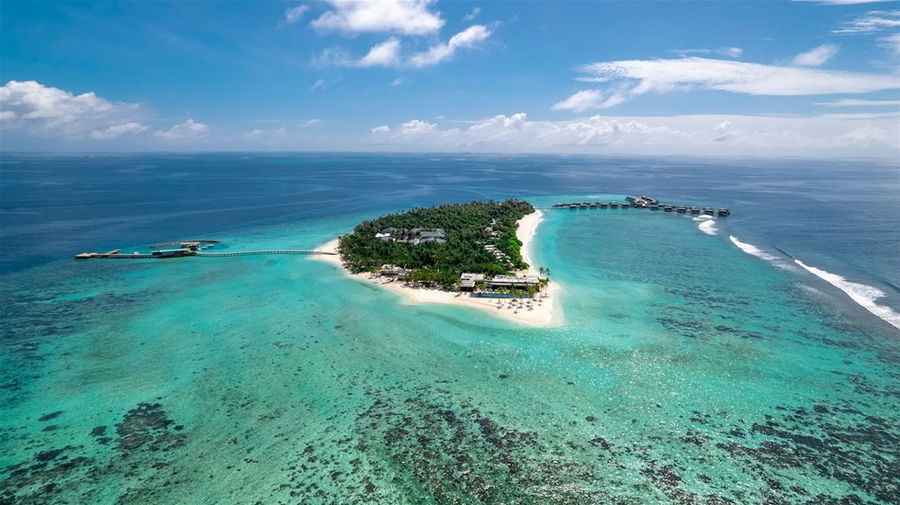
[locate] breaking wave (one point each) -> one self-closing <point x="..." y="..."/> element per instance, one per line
<point x="751" y="249"/>
<point x="862" y="294"/>
<point x="706" y="224"/>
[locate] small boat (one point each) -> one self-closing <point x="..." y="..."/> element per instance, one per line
<point x="723" y="211"/>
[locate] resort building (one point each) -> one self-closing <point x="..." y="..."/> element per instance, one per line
<point x="510" y="281"/>
<point x="412" y="236"/>
<point x="468" y="280"/>
<point x="392" y="271"/>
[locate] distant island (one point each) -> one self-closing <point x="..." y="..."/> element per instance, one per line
<point x="473" y="254"/>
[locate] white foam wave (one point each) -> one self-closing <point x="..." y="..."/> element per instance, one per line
<point x="751" y="249"/>
<point x="862" y="294"/>
<point x="706" y="224"/>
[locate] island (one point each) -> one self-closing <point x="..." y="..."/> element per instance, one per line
<point x="476" y="254"/>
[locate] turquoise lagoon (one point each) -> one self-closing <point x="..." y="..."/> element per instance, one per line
<point x="686" y="372"/>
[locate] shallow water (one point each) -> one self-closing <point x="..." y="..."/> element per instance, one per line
<point x="687" y="372"/>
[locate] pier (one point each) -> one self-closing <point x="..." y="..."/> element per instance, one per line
<point x="191" y="248"/>
<point x="646" y="202"/>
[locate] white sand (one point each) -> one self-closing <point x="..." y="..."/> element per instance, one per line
<point x="545" y="308"/>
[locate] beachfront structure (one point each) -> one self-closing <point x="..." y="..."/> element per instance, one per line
<point x="512" y="281"/>
<point x="392" y="271"/>
<point x="468" y="280"/>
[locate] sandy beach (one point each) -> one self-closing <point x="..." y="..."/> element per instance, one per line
<point x="544" y="309"/>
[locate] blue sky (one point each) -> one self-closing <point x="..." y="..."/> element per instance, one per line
<point x="733" y="78"/>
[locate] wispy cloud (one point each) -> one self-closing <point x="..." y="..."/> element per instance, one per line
<point x="631" y="78"/>
<point x="816" y="56"/>
<point x="117" y="130"/>
<point x="310" y="122"/>
<point x="589" y="99"/>
<point x="469" y="38"/>
<point x="473" y="14"/>
<point x="731" y="52"/>
<point x="854" y="102"/>
<point x="319" y="84"/>
<point x="872" y="22"/>
<point x="390" y="52"/>
<point x="294" y="14"/>
<point x="187" y="129"/>
<point x="406" y="17"/>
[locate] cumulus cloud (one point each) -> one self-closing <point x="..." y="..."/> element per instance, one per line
<point x="694" y="134"/>
<point x="407" y="17"/>
<point x="467" y="39"/>
<point x="52" y="112"/>
<point x="114" y="131"/>
<point x="295" y="14"/>
<point x="636" y="77"/>
<point x="187" y="129"/>
<point x="385" y="54"/>
<point x="816" y="56"/>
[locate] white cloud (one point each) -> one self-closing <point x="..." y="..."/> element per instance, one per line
<point x="398" y="80"/>
<point x="295" y="14"/>
<point x="310" y="122"/>
<point x="320" y="84"/>
<point x="416" y="127"/>
<point x="731" y="52"/>
<point x="389" y="52"/>
<point x="589" y="99"/>
<point x="853" y="102"/>
<point x="52" y="112"/>
<point x="816" y="56"/>
<point x="472" y="15"/>
<point x="187" y="129"/>
<point x="469" y="38"/>
<point x="690" y="134"/>
<point x="872" y="22"/>
<point x="114" y="131"/>
<point x="385" y="54"/>
<point x="635" y="77"/>
<point x="407" y="17"/>
<point x="891" y="43"/>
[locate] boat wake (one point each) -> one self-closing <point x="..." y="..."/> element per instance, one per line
<point x="862" y="294"/>
<point x="706" y="224"/>
<point x="751" y="249"/>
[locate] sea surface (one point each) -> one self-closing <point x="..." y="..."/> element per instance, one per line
<point x="744" y="360"/>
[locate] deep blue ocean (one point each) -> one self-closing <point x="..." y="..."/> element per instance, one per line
<point x="752" y="359"/>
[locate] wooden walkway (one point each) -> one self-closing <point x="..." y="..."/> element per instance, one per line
<point x="268" y="251"/>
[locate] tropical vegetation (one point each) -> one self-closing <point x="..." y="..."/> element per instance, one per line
<point x="468" y="227"/>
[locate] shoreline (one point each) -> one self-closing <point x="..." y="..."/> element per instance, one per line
<point x="545" y="310"/>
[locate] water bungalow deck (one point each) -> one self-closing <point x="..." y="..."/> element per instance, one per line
<point x="645" y="202"/>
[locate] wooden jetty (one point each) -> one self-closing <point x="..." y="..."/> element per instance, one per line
<point x="184" y="248"/>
